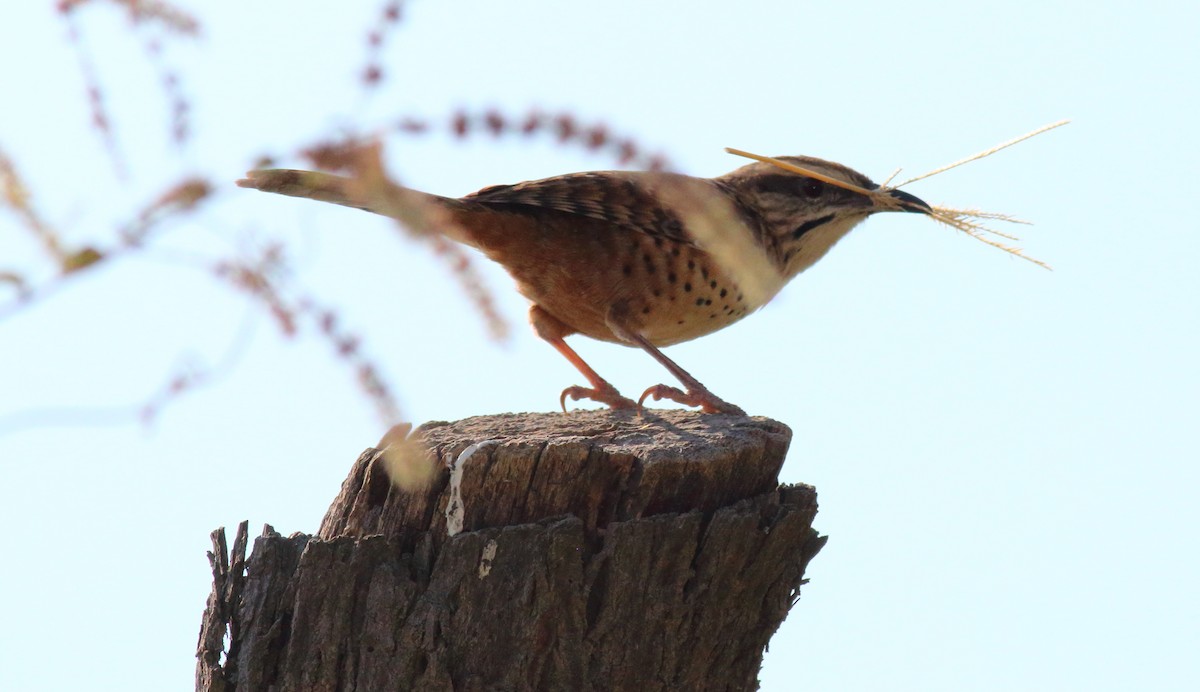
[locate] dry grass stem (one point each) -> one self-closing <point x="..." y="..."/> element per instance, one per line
<point x="989" y="152"/>
<point x="965" y="220"/>
<point x="961" y="219"/>
<point x="800" y="170"/>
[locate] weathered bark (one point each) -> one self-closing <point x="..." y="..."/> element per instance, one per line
<point x="587" y="551"/>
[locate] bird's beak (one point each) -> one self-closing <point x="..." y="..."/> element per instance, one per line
<point x="907" y="202"/>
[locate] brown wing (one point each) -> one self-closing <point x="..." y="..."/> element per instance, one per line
<point x="618" y="197"/>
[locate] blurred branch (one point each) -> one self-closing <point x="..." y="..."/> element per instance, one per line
<point x="178" y="201"/>
<point x="565" y="128"/>
<point x="389" y="19"/>
<point x="145" y="16"/>
<point x="264" y="275"/>
<point x="144" y="12"/>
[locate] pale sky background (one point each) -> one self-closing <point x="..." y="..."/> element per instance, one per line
<point x="1006" y="457"/>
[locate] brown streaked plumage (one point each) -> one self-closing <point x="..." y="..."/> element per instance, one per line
<point x="633" y="257"/>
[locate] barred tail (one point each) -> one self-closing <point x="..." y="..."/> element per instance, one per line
<point x="323" y="187"/>
<point x="420" y="210"/>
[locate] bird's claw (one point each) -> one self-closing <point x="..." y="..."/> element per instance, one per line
<point x="706" y="400"/>
<point x="605" y="395"/>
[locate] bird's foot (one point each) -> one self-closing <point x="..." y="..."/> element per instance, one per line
<point x="706" y="400"/>
<point x="607" y="394"/>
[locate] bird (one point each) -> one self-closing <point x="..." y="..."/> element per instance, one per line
<point x="634" y="257"/>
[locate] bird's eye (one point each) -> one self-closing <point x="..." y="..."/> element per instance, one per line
<point x="812" y="189"/>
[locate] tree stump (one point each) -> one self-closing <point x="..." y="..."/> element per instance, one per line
<point x="595" y="550"/>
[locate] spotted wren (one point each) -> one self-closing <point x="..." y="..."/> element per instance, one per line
<point x="610" y="255"/>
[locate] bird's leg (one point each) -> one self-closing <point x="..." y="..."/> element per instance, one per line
<point x="552" y="331"/>
<point x="696" y="395"/>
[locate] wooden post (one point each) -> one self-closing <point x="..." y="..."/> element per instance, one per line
<point x="584" y="551"/>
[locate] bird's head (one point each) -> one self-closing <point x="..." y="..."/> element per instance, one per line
<point x="805" y="205"/>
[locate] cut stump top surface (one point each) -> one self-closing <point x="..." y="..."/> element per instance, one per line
<point x="602" y="466"/>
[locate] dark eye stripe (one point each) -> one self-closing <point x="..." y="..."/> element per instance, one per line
<point x="780" y="184"/>
<point x="809" y="225"/>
